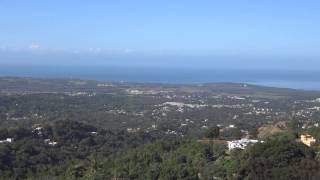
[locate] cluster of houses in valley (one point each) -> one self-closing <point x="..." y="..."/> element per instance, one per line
<point x="37" y="129"/>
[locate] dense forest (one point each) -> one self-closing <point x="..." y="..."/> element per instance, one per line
<point x="86" y="152"/>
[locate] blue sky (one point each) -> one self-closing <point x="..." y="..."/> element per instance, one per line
<point x="253" y="33"/>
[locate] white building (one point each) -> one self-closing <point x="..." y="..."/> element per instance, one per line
<point x="50" y="142"/>
<point x="241" y="144"/>
<point x="232" y="126"/>
<point x="8" y="140"/>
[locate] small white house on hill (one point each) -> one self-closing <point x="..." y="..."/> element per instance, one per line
<point x="241" y="144"/>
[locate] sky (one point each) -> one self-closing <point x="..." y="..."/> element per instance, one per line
<point x="192" y="33"/>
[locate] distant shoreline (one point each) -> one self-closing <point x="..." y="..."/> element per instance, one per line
<point x="302" y="80"/>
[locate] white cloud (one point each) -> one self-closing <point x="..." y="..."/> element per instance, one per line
<point x="34" y="46"/>
<point x="128" y="50"/>
<point x="95" y="50"/>
<point x="3" y="47"/>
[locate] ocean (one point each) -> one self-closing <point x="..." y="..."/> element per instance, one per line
<point x="297" y="79"/>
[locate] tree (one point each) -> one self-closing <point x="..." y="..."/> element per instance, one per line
<point x="213" y="132"/>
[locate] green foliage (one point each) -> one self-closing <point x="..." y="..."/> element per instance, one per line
<point x="111" y="155"/>
<point x="212" y="132"/>
<point x="30" y="156"/>
<point x="285" y="136"/>
<point x="276" y="159"/>
<point x="161" y="160"/>
<point x="232" y="133"/>
<point x="315" y="132"/>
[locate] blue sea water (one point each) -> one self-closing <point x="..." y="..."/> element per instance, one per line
<point x="308" y="80"/>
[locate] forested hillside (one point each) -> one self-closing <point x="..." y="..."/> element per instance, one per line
<point x="81" y="151"/>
